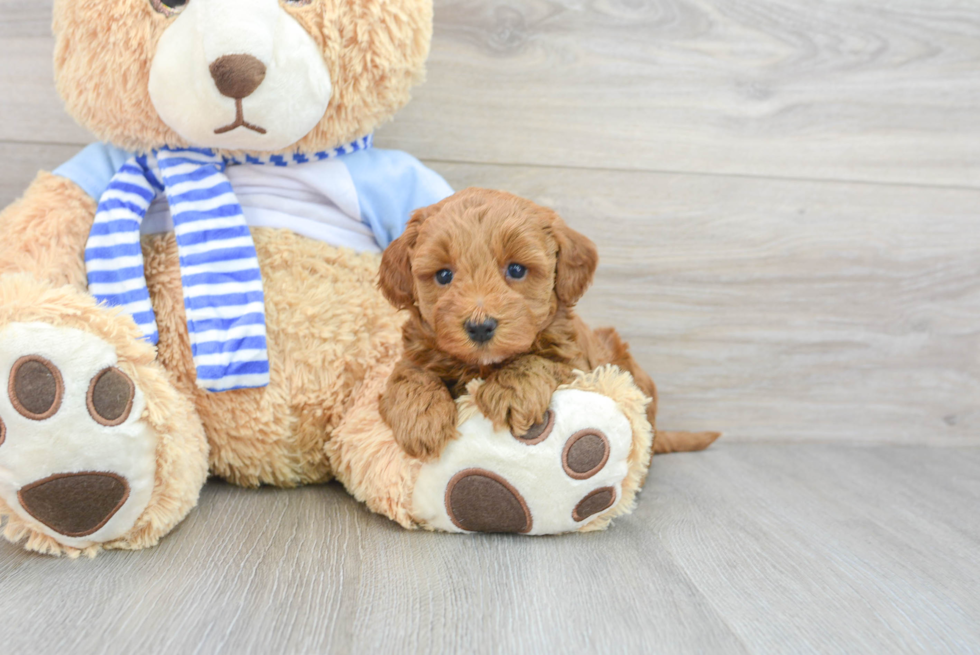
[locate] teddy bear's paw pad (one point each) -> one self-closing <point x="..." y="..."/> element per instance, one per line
<point x="35" y="387"/>
<point x="75" y="504"/>
<point x="560" y="476"/>
<point x="585" y="453"/>
<point x="539" y="431"/>
<point x="482" y="501"/>
<point x="594" y="502"/>
<point x="77" y="462"/>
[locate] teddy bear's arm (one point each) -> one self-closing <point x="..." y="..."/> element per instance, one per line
<point x="43" y="234"/>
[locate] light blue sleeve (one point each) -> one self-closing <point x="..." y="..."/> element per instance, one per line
<point x="391" y="185"/>
<point x="93" y="167"/>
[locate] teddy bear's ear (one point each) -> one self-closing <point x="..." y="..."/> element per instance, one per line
<point x="395" y="277"/>
<point x="577" y="261"/>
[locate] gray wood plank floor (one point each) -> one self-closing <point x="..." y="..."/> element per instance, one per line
<point x="756" y="548"/>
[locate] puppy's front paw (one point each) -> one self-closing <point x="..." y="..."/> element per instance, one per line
<point x="427" y="437"/>
<point x="515" y="403"/>
<point x="423" y="429"/>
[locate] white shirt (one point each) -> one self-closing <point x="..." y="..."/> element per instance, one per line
<point x="316" y="200"/>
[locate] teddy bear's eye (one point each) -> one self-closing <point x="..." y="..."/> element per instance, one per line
<point x="297" y="3"/>
<point x="516" y="271"/>
<point x="169" y="7"/>
<point x="444" y="277"/>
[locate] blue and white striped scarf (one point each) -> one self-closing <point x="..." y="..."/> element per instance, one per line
<point x="219" y="268"/>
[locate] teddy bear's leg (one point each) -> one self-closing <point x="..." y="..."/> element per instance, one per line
<point x="97" y="448"/>
<point x="366" y="458"/>
<point x="575" y="472"/>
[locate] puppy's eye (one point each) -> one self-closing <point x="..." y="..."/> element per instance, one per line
<point x="444" y="277"/>
<point x="516" y="271"/>
<point x="168" y="7"/>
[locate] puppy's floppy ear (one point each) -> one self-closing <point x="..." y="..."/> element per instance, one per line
<point x="395" y="277"/>
<point x="577" y="261"/>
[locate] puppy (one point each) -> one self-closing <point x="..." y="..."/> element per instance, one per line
<point x="490" y="281"/>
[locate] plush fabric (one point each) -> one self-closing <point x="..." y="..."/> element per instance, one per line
<point x="535" y="471"/>
<point x="168" y="422"/>
<point x="44" y="232"/>
<point x="222" y="283"/>
<point x="368" y="460"/>
<point x="374" y="51"/>
<point x="265" y="75"/>
<point x="319" y="352"/>
<point x="106" y="441"/>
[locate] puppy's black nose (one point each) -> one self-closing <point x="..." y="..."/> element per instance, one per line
<point x="481" y="332"/>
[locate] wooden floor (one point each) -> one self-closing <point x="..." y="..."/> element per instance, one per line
<point x="759" y="548"/>
<point x="786" y="198"/>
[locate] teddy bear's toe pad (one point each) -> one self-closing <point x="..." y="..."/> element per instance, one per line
<point x="565" y="473"/>
<point x="482" y="501"/>
<point x="35" y="387"/>
<point x="76" y="461"/>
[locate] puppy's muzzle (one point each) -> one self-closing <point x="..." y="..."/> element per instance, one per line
<point x="481" y="332"/>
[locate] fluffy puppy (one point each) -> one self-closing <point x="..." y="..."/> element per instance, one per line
<point x="490" y="281"/>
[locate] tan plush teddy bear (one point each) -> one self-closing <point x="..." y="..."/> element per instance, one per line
<point x="198" y="292"/>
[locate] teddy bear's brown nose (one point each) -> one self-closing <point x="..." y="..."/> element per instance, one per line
<point x="237" y="76"/>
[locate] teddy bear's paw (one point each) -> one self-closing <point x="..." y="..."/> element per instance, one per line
<point x="77" y="462"/>
<point x="561" y="476"/>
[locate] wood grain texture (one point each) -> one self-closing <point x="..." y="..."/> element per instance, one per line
<point x="25" y="18"/>
<point x="31" y="109"/>
<point x="742" y="549"/>
<point x="782" y="310"/>
<point x="844" y="90"/>
<point x="20" y="163"/>
<point x="768" y="309"/>
<point x="852" y="90"/>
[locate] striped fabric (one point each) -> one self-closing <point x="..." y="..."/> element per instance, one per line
<point x="288" y="160"/>
<point x="222" y="285"/>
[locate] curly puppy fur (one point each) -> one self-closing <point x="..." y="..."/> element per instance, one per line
<point x="537" y="340"/>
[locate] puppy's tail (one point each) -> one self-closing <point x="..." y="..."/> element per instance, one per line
<point x="666" y="441"/>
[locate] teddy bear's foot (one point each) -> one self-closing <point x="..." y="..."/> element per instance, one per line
<point x="77" y="463"/>
<point x="574" y="471"/>
<point x="88" y="456"/>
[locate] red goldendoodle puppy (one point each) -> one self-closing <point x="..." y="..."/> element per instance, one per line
<point x="490" y="281"/>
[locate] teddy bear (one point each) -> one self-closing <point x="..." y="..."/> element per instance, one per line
<point x="196" y="293"/>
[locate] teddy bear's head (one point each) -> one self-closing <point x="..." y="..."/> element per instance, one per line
<point x="238" y="75"/>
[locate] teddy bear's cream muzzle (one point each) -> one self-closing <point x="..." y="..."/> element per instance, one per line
<point x="239" y="75"/>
